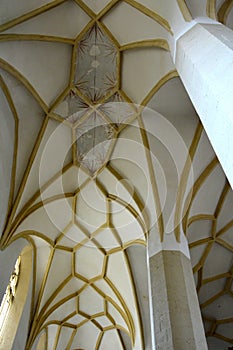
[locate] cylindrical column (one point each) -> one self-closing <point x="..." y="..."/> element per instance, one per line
<point x="177" y="317"/>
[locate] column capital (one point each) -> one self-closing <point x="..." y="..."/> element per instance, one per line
<point x="155" y="245"/>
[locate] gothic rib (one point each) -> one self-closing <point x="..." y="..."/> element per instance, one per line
<point x="224" y="11"/>
<point x="211" y="9"/>
<point x="16" y="122"/>
<point x="30" y="14"/>
<point x="184" y="10"/>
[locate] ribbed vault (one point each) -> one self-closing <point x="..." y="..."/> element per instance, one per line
<point x="90" y="167"/>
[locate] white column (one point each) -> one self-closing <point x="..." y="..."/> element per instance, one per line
<point x="204" y="60"/>
<point x="177" y="318"/>
<point x="177" y="322"/>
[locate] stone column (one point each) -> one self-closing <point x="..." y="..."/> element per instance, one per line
<point x="177" y="318"/>
<point x="203" y="57"/>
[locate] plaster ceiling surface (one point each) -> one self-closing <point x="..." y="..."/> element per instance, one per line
<point x="220" y="10"/>
<point x="98" y="135"/>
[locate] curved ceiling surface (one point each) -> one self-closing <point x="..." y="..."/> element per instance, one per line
<point x="98" y="135"/>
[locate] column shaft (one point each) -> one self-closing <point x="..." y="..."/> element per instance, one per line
<point x="204" y="60"/>
<point x="177" y="318"/>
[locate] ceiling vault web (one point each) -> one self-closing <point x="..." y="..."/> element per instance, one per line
<point x="85" y="183"/>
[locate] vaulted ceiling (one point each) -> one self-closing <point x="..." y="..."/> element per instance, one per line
<point x="100" y="143"/>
